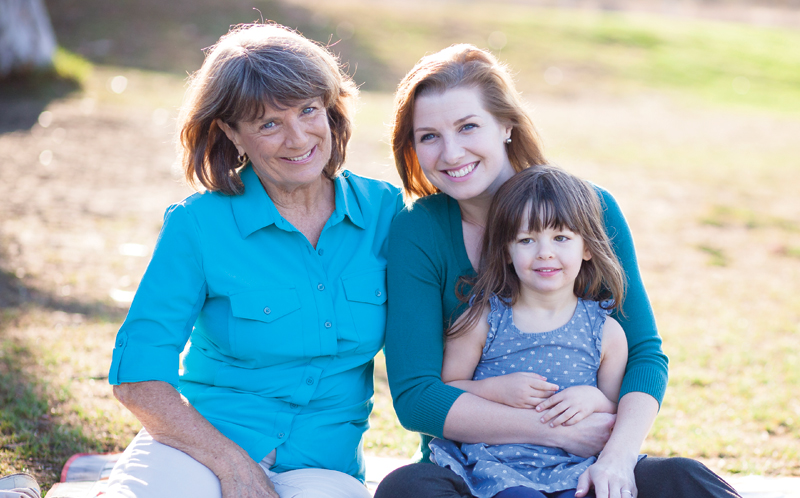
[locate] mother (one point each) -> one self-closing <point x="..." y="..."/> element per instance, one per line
<point x="459" y="132"/>
<point x="276" y="275"/>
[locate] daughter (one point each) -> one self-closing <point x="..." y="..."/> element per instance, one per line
<point x="538" y="334"/>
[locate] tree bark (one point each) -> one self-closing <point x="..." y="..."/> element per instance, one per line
<point x="27" y="41"/>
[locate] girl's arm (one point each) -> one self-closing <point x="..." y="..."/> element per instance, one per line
<point x="613" y="359"/>
<point x="461" y="357"/>
<point x="414" y="353"/>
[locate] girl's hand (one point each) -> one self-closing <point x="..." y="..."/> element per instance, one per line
<point x="611" y="476"/>
<point x="521" y="389"/>
<point x="574" y="404"/>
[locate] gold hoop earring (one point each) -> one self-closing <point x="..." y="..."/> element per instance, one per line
<point x="242" y="158"/>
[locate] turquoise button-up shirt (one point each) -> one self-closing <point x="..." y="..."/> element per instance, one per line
<point x="282" y="334"/>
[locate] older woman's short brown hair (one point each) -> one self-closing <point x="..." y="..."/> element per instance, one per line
<point x="255" y="65"/>
<point x="461" y="66"/>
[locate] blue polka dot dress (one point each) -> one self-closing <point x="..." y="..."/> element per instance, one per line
<point x="567" y="356"/>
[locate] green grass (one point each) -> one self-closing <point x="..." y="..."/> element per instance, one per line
<point x="595" y="50"/>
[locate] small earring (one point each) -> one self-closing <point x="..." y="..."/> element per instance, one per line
<point x="508" y="140"/>
<point x="242" y="158"/>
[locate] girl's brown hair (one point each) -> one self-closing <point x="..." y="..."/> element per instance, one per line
<point x="547" y="197"/>
<point x="460" y="66"/>
<point x="253" y="66"/>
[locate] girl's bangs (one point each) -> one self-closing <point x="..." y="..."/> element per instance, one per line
<point x="550" y="212"/>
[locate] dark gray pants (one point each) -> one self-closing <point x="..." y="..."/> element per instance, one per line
<point x="655" y="478"/>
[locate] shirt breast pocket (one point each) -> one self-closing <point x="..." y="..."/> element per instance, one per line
<point x="366" y="296"/>
<point x="266" y="325"/>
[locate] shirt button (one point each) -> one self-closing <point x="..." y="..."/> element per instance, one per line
<point x="310" y="381"/>
<point x="292" y="406"/>
<point x="120" y="343"/>
<point x="328" y="325"/>
<point x="267" y="311"/>
<point x="321" y="252"/>
<point x="320" y="287"/>
<point x="280" y="435"/>
<point x="378" y="292"/>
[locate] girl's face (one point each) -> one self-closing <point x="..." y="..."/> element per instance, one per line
<point x="548" y="262"/>
<point x="460" y="145"/>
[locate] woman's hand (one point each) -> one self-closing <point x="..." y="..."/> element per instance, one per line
<point x="611" y="476"/>
<point x="520" y="389"/>
<point x="574" y="404"/>
<point x="248" y="480"/>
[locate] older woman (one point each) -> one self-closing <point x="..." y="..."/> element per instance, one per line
<point x="275" y="276"/>
<point x="459" y="132"/>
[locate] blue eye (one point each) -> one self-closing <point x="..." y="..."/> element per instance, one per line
<point x="468" y="126"/>
<point x="268" y="125"/>
<point x="426" y="137"/>
<point x="308" y="110"/>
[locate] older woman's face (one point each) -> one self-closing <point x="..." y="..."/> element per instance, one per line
<point x="289" y="148"/>
<point x="459" y="144"/>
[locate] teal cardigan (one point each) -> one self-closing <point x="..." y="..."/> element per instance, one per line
<point x="426" y="258"/>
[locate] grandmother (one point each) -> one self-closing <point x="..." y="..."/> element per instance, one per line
<point x="272" y="282"/>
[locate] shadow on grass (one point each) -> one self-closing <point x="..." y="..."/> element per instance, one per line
<point x="169" y="36"/>
<point x="24" y="96"/>
<point x="33" y="438"/>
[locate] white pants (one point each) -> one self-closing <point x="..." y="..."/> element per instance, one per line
<point x="149" y="469"/>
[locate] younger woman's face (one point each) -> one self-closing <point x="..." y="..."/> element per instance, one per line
<point x="459" y="144"/>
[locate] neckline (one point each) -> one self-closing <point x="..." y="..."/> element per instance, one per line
<point x="562" y="328"/>
<point x="457" y="235"/>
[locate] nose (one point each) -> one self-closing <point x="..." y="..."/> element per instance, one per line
<point x="453" y="151"/>
<point x="296" y="134"/>
<point x="544" y="250"/>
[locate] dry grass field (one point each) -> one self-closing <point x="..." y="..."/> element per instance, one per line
<point x="707" y="174"/>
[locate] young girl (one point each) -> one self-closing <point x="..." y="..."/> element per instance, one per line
<point x="537" y="334"/>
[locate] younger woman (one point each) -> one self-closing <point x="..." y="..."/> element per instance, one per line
<point x="539" y="311"/>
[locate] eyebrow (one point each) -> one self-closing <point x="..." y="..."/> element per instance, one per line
<point x="457" y="122"/>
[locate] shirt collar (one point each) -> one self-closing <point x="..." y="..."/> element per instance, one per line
<point x="254" y="210"/>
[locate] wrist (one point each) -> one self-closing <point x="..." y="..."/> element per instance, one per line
<point x="615" y="450"/>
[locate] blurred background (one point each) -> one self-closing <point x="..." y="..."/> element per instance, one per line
<point x="688" y="111"/>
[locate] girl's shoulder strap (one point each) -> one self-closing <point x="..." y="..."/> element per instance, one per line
<point x="497" y="312"/>
<point x="595" y="319"/>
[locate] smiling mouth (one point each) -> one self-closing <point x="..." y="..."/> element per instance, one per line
<point x="547" y="270"/>
<point x="458" y="173"/>
<point x="301" y="158"/>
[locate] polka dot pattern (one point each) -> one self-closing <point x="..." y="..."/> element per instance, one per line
<point x="567" y="356"/>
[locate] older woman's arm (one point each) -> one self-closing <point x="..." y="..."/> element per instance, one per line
<point x="171" y="420"/>
<point x="145" y="362"/>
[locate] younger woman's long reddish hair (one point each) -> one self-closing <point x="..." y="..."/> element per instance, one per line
<point x="547" y="197"/>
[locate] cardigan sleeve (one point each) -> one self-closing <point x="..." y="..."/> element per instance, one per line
<point x="415" y="327"/>
<point x="647" y="364"/>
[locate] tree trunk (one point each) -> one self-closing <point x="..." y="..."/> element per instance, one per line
<point x="27" y="40"/>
